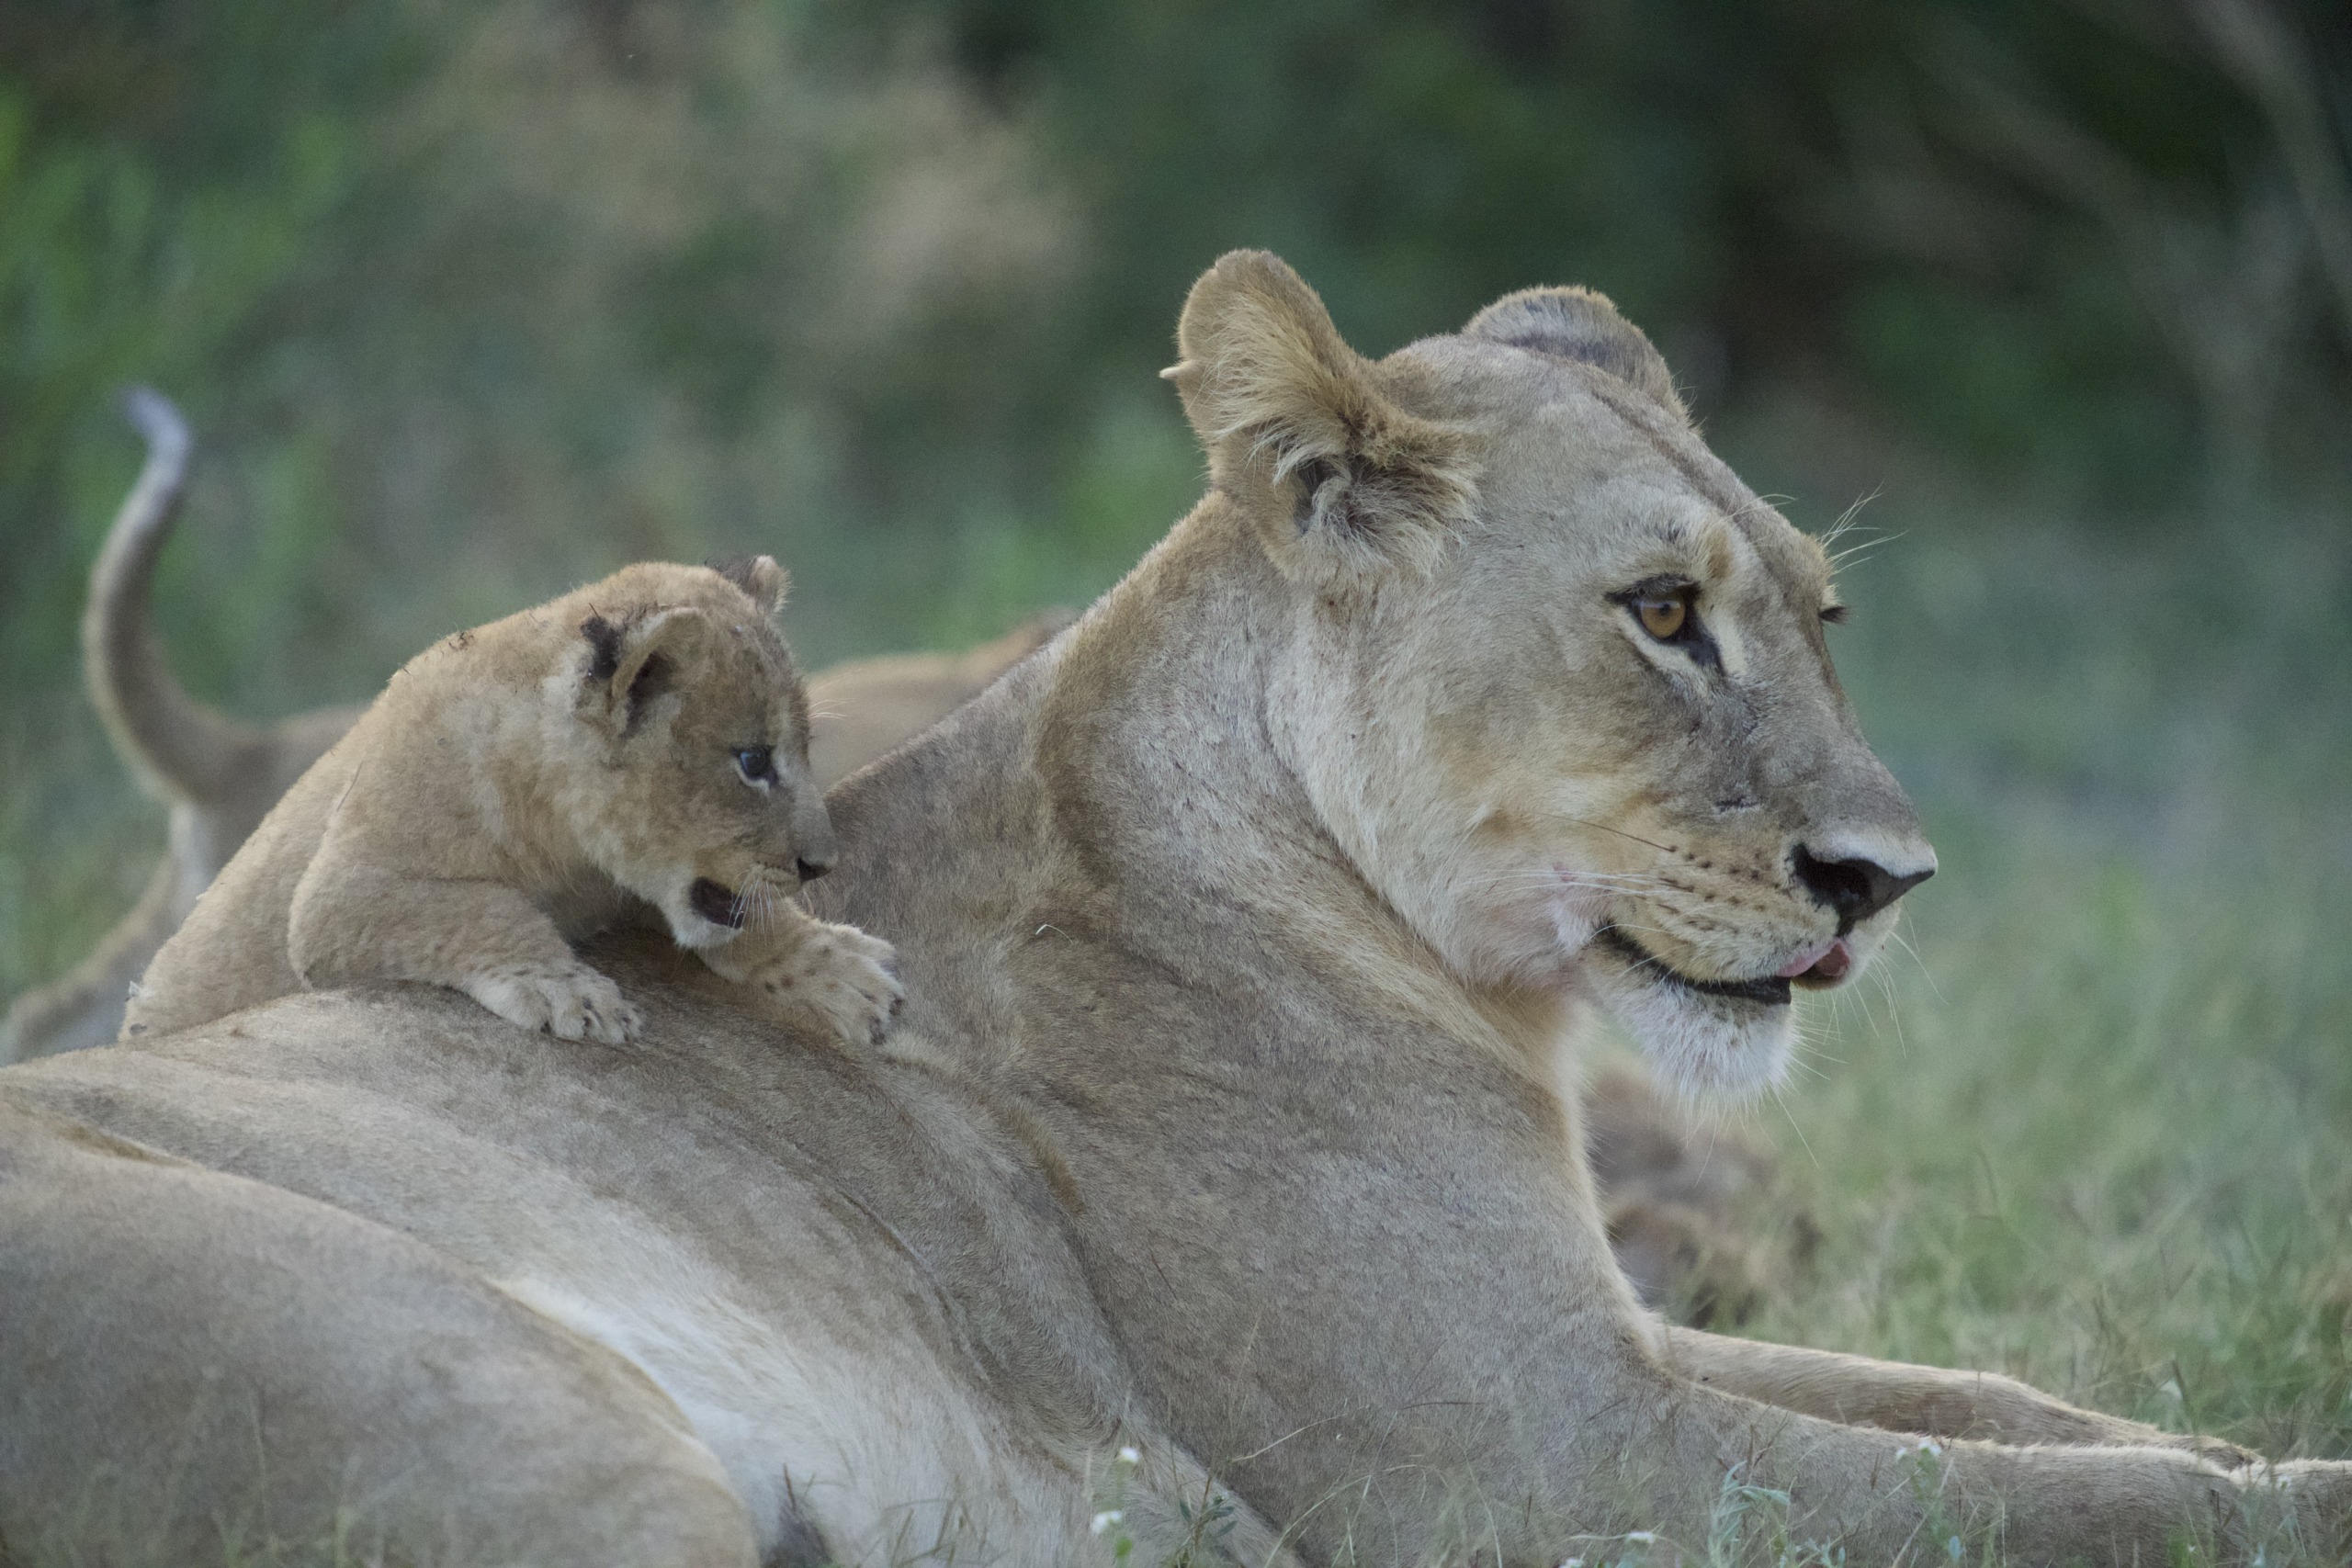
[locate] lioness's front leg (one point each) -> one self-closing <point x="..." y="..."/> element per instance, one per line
<point x="1877" y="1492"/>
<point x="353" y="923"/>
<point x="837" y="975"/>
<point x="1897" y="1396"/>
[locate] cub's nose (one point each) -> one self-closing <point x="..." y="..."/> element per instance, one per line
<point x="1856" y="888"/>
<point x="815" y="847"/>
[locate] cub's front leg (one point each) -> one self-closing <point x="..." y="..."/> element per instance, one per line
<point x="836" y="975"/>
<point x="354" y="922"/>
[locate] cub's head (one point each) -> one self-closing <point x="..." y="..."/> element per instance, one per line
<point x="1559" y="683"/>
<point x="691" y="730"/>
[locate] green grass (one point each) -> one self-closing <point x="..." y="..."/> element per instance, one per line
<point x="2096" y="1137"/>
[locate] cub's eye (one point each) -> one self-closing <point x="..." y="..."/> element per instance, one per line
<point x="756" y="763"/>
<point x="1663" y="617"/>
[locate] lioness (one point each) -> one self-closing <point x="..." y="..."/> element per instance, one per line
<point x="638" y="745"/>
<point x="1249" y="931"/>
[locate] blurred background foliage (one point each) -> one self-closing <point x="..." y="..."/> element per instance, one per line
<point x="471" y="299"/>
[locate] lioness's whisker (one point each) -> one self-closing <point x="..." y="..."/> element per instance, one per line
<point x="1598" y="882"/>
<point x="1781" y="1099"/>
<point x="1860" y="552"/>
<point x="1554" y="872"/>
<point x="1605" y="827"/>
<point x="1894" y="1010"/>
<point x="1647" y="931"/>
<point x="1898" y="936"/>
<point x="1848" y="520"/>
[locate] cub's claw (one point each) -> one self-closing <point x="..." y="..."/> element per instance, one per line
<point x="576" y="1003"/>
<point x="842" y="978"/>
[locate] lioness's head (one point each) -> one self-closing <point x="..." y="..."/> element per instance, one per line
<point x="694" y="792"/>
<point x="1560" y="686"/>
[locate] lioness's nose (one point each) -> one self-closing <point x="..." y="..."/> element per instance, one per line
<point x="1855" y="888"/>
<point x="811" y="870"/>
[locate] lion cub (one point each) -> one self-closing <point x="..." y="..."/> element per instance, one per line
<point x="637" y="748"/>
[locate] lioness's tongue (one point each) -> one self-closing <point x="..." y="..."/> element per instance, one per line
<point x="1826" y="961"/>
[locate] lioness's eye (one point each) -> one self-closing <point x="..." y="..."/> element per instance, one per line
<point x="756" y="763"/>
<point x="1667" y="610"/>
<point x="1662" y="618"/>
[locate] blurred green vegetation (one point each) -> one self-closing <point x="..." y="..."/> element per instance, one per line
<point x="471" y="301"/>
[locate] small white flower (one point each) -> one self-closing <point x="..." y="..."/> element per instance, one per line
<point x="1105" y="1519"/>
<point x="1953" y="1548"/>
<point x="1573" y="1562"/>
<point x="1130" y="1456"/>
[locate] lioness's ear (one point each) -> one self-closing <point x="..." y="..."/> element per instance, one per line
<point x="1343" y="481"/>
<point x="633" y="661"/>
<point x="1577" y="323"/>
<point x="758" y="576"/>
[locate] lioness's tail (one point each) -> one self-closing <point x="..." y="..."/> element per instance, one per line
<point x="184" y="750"/>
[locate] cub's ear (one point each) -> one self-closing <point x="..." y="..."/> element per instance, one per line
<point x="633" y="661"/>
<point x="758" y="576"/>
<point x="1344" y="484"/>
<point x="1579" y="324"/>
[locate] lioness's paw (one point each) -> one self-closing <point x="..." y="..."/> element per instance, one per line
<point x="574" y="1003"/>
<point x="2311" y="1502"/>
<point x="840" y="975"/>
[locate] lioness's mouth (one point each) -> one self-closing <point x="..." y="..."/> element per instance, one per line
<point x="715" y="902"/>
<point x="1770" y="990"/>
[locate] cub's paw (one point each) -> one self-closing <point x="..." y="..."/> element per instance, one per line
<point x="840" y="976"/>
<point x="574" y="1003"/>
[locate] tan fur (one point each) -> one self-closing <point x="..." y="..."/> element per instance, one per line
<point x="1251" y="930"/>
<point x="862" y="709"/>
<point x="528" y="782"/>
<point x="408" y="1284"/>
<point x="217" y="1272"/>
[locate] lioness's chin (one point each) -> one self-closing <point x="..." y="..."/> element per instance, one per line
<point x="1706" y="1041"/>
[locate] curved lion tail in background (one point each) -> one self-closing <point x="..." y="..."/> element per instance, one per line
<point x="218" y="776"/>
